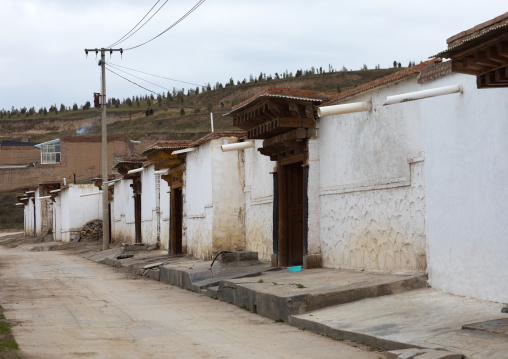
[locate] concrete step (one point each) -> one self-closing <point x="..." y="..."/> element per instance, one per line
<point x="279" y="295"/>
<point x="212" y="292"/>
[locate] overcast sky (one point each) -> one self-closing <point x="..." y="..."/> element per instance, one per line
<point x="42" y="42"/>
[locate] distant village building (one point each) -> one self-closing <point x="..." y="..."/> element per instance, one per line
<point x="75" y="158"/>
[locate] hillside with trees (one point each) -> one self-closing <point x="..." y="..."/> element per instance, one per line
<point x="177" y="114"/>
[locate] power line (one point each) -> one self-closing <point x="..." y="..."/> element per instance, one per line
<point x="132" y="82"/>
<point x="134" y="26"/>
<point x="198" y="4"/>
<point x="150" y="18"/>
<point x="140" y="78"/>
<point x="162" y="77"/>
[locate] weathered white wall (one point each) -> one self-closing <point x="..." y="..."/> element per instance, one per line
<point x="148" y="207"/>
<point x="227" y="197"/>
<point x="76" y="210"/>
<point x="258" y="197"/>
<point x="466" y="171"/>
<point x="57" y="219"/>
<point x="165" y="214"/>
<point x="198" y="202"/>
<point x="372" y="201"/>
<point x="44" y="214"/>
<point x="122" y="213"/>
<point x="29" y="218"/>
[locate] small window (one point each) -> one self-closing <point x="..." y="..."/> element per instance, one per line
<point x="50" y="152"/>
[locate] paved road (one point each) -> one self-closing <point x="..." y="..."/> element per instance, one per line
<point x="65" y="306"/>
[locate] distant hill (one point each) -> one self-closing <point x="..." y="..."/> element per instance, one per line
<point x="168" y="121"/>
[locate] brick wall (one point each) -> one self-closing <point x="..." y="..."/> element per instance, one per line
<point x="19" y="155"/>
<point x="435" y="71"/>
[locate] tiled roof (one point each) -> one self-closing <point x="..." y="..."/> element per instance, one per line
<point x="219" y="134"/>
<point x="18" y="143"/>
<point x="478" y="30"/>
<point x="129" y="160"/>
<point x="383" y="81"/>
<point x="161" y="145"/>
<point x="285" y="92"/>
<point x="75" y="139"/>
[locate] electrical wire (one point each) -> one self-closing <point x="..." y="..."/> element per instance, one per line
<point x="110" y="46"/>
<point x="140" y="78"/>
<point x="198" y="4"/>
<point x="146" y="73"/>
<point x="139" y="28"/>
<point x="144" y="88"/>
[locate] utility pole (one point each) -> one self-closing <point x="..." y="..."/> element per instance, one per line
<point x="104" y="149"/>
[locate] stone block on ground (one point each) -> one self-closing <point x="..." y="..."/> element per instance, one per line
<point x="415" y="353"/>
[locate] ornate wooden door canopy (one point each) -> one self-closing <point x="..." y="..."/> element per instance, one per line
<point x="482" y="51"/>
<point x="282" y="116"/>
<point x="160" y="154"/>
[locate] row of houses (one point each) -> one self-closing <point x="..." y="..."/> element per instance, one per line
<point x="405" y="174"/>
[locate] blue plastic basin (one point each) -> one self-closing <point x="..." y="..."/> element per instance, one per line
<point x="295" y="269"/>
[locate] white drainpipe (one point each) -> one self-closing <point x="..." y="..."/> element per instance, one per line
<point x="237" y="146"/>
<point x="190" y="149"/>
<point x="418" y="95"/>
<point x="344" y="108"/>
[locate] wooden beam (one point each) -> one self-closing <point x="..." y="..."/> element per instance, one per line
<point x="481" y="58"/>
<point x="501" y="75"/>
<point x="481" y="83"/>
<point x="469" y="63"/>
<point x="298" y="134"/>
<point x="502" y="49"/>
<point x="457" y="66"/>
<point x="493" y="55"/>
<point x="177" y="169"/>
<point x="288" y="122"/>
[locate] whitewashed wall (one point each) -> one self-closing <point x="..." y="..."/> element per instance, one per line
<point x="44" y="214"/>
<point x="228" y="197"/>
<point x="57" y="219"/>
<point x="213" y="200"/>
<point x="198" y="202"/>
<point x="372" y="201"/>
<point x="76" y="210"/>
<point x="123" y="228"/>
<point x="165" y="214"/>
<point x="29" y="218"/>
<point x="258" y="197"/>
<point x="466" y="171"/>
<point x="148" y="206"/>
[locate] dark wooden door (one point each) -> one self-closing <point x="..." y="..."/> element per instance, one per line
<point x="291" y="214"/>
<point x="137" y="216"/>
<point x="294" y="182"/>
<point x="178" y="220"/>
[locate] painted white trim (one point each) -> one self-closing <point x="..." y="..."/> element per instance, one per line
<point x="366" y="186"/>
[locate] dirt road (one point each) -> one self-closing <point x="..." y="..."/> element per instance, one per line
<point x="64" y="306"/>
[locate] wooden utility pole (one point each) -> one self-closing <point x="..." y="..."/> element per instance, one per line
<point x="104" y="149"/>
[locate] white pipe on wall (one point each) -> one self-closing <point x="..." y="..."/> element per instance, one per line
<point x="55" y="190"/>
<point x="191" y="149"/>
<point x="344" y="108"/>
<point x="237" y="146"/>
<point x="19" y="204"/>
<point x="136" y="170"/>
<point x="161" y="172"/>
<point x="90" y="194"/>
<point x="44" y="197"/>
<point x="418" y="95"/>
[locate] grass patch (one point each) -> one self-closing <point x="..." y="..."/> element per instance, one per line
<point x="279" y="321"/>
<point x="8" y="346"/>
<point x="244" y="307"/>
<point x="260" y="281"/>
<point x="5" y="328"/>
<point x="11" y="344"/>
<point x="297" y="285"/>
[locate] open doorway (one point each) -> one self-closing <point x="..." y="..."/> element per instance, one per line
<point x="137" y="216"/>
<point x="291" y="214"/>
<point x="176" y="220"/>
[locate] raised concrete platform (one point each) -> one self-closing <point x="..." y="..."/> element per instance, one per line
<point x="279" y="295"/>
<point x="420" y="318"/>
